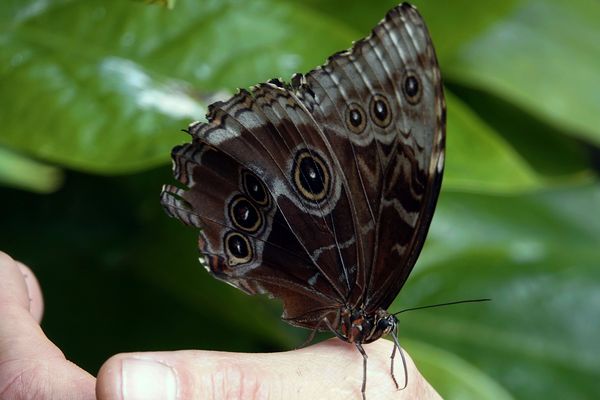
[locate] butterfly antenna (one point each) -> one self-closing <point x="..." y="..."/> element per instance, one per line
<point x="442" y="304"/>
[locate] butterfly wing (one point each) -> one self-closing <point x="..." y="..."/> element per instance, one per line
<point x="297" y="244"/>
<point x="320" y="193"/>
<point x="382" y="108"/>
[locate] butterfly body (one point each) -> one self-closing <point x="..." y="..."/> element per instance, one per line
<point x="320" y="192"/>
<point x="356" y="326"/>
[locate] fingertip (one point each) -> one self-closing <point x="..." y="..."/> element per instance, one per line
<point x="136" y="377"/>
<point x="108" y="380"/>
<point x="19" y="286"/>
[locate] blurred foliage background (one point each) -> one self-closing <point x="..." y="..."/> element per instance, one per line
<point x="94" y="93"/>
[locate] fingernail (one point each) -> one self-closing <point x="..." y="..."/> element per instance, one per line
<point x="147" y="380"/>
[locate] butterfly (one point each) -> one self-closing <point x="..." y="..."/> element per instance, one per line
<point x="320" y="192"/>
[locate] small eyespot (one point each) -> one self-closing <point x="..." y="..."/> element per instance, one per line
<point x="412" y="87"/>
<point x="381" y="112"/>
<point x="237" y="248"/>
<point x="244" y="214"/>
<point x="255" y="189"/>
<point x="356" y="120"/>
<point x="311" y="176"/>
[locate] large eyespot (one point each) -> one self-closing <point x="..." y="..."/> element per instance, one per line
<point x="311" y="176"/>
<point x="381" y="113"/>
<point x="244" y="214"/>
<point x="255" y="189"/>
<point x="356" y="120"/>
<point x="237" y="248"/>
<point x="412" y="87"/>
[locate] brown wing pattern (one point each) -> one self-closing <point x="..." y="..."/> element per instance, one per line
<point x="320" y="192"/>
<point x="296" y="247"/>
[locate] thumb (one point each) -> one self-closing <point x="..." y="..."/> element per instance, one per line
<point x="329" y="370"/>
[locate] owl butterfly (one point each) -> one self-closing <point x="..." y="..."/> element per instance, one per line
<point x="320" y="192"/>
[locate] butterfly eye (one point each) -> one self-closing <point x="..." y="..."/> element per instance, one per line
<point x="412" y="88"/>
<point x="255" y="189"/>
<point x="356" y="120"/>
<point x="244" y="215"/>
<point x="237" y="248"/>
<point x="382" y="325"/>
<point x="311" y="176"/>
<point x="381" y="112"/>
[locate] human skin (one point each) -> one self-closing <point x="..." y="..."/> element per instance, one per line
<point x="32" y="367"/>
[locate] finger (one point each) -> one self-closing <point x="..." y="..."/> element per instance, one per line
<point x="20" y="333"/>
<point x="31" y="366"/>
<point x="329" y="370"/>
<point x="36" y="300"/>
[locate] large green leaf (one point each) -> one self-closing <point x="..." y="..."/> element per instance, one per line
<point x="545" y="57"/>
<point x="537" y="257"/>
<point x="104" y="85"/>
<point x="478" y="159"/>
<point x="545" y="148"/>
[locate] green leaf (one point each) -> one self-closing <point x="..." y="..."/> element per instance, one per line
<point x="478" y="159"/>
<point x="537" y="258"/>
<point x="24" y="173"/>
<point x="545" y="148"/>
<point x="544" y="57"/>
<point x="451" y="376"/>
<point x="105" y="86"/>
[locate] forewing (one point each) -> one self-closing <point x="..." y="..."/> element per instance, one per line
<point x="381" y="106"/>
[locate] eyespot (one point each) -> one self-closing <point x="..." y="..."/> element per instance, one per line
<point x="356" y="119"/>
<point x="412" y="87"/>
<point x="381" y="112"/>
<point x="311" y="176"/>
<point x="237" y="248"/>
<point x="244" y="214"/>
<point x="255" y="189"/>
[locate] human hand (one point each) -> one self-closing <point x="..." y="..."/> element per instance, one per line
<point x="31" y="366"/>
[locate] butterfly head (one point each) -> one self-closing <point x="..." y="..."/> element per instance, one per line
<point x="358" y="326"/>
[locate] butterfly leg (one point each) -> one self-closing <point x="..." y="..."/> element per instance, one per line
<point x="310" y="338"/>
<point x="397" y="346"/>
<point x="364" y="383"/>
<point x="314" y="331"/>
<point x="332" y="329"/>
<point x="392" y="367"/>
